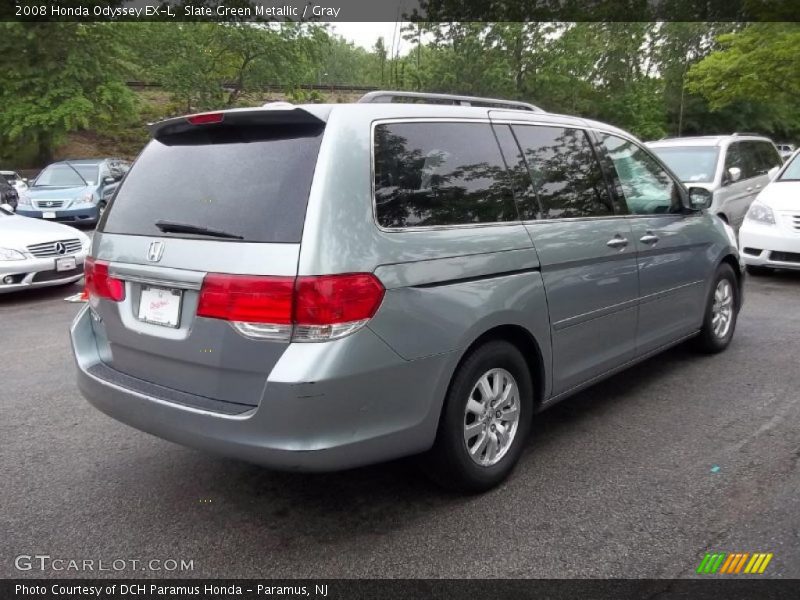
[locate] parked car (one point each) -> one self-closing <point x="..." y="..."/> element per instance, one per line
<point x="36" y="253"/>
<point x="734" y="168"/>
<point x="15" y="179"/>
<point x="75" y="191"/>
<point x="383" y="279"/>
<point x="786" y="150"/>
<point x="8" y="193"/>
<point x="770" y="236"/>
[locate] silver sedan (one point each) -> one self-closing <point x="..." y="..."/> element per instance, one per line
<point x="36" y="253"/>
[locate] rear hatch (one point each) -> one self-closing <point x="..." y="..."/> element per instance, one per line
<point x="211" y="201"/>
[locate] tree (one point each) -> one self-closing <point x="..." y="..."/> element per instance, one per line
<point x="60" y="77"/>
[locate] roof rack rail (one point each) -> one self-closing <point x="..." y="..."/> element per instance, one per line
<point x="747" y="133"/>
<point x="382" y="96"/>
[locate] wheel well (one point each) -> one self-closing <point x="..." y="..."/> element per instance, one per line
<point x="723" y="217"/>
<point x="734" y="264"/>
<point x="527" y="345"/>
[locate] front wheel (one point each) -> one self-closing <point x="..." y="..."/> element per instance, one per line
<point x="722" y="309"/>
<point x="485" y="421"/>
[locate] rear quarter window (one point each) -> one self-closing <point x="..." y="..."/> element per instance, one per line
<point x="249" y="181"/>
<point x="430" y="174"/>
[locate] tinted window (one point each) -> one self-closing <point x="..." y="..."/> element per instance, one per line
<point x="749" y="160"/>
<point x="527" y="202"/>
<point x="440" y="174"/>
<point x="768" y="157"/>
<point x="692" y="164"/>
<point x="645" y="185"/>
<point x="566" y="175"/>
<point x="263" y="196"/>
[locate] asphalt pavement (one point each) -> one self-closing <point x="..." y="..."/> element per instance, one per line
<point x="638" y="476"/>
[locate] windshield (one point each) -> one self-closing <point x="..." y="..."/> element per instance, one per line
<point x="64" y="175"/>
<point x="695" y="164"/>
<point x="792" y="170"/>
<point x="174" y="188"/>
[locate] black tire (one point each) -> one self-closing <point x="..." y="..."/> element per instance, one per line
<point x="758" y="271"/>
<point x="449" y="462"/>
<point x="708" y="340"/>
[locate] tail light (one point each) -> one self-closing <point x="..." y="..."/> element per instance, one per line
<point x="99" y="284"/>
<point x="302" y="309"/>
<point x="206" y="118"/>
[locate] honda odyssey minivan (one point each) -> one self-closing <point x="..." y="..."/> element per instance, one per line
<point x="409" y="274"/>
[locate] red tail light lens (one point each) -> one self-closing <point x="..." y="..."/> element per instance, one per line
<point x="247" y="298"/>
<point x="334" y="299"/>
<point x="206" y="118"/>
<point x="99" y="283"/>
<point x="314" y="308"/>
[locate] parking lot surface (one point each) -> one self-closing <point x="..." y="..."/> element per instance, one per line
<point x="638" y="476"/>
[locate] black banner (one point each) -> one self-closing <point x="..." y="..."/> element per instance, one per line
<point x="399" y="10"/>
<point x="440" y="589"/>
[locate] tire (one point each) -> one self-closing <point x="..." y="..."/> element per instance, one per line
<point x="758" y="271"/>
<point x="723" y="299"/>
<point x="450" y="462"/>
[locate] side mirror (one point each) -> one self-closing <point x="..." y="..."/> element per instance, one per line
<point x="734" y="174"/>
<point x="700" y="198"/>
<point x="7" y="207"/>
<point x="108" y="180"/>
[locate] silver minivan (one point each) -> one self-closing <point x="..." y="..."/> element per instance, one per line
<point x="409" y="274"/>
<point x="732" y="168"/>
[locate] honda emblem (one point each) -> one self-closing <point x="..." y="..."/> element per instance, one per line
<point x="155" y="251"/>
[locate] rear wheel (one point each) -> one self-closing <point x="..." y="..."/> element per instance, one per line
<point x="485" y="421"/>
<point x="722" y="307"/>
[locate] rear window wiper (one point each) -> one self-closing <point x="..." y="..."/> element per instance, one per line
<point x="172" y="227"/>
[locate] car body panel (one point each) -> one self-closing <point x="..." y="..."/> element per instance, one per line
<point x="377" y="393"/>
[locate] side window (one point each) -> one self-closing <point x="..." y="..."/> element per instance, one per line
<point x="521" y="183"/>
<point x="440" y="174"/>
<point x="751" y="160"/>
<point x="640" y="179"/>
<point x="734" y="159"/>
<point x="566" y="175"/>
<point x="769" y="157"/>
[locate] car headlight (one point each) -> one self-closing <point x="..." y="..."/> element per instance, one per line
<point x="24" y="199"/>
<point x="9" y="254"/>
<point x="84" y="198"/>
<point x="761" y="213"/>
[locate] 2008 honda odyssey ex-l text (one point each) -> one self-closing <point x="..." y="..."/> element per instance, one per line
<point x="407" y="274"/>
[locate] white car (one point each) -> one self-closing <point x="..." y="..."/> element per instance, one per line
<point x="36" y="253"/>
<point x="770" y="235"/>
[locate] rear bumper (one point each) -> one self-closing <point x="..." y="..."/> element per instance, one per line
<point x="362" y="415"/>
<point x="82" y="214"/>
<point x="769" y="246"/>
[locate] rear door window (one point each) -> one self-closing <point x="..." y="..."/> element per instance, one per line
<point x="433" y="174"/>
<point x="565" y="172"/>
<point x="768" y="157"/>
<point x="249" y="181"/>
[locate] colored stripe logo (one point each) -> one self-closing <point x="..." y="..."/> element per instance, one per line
<point x="734" y="563"/>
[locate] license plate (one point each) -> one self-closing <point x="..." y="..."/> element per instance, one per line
<point x="160" y="306"/>
<point x="49" y="215"/>
<point x="65" y="264"/>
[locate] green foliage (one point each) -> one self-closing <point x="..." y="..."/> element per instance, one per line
<point x="654" y="79"/>
<point x="57" y="78"/>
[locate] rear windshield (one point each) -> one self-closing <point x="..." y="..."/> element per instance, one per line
<point x="250" y="182"/>
<point x="692" y="164"/>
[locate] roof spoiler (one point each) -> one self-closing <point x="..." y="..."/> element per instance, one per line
<point x="270" y="114"/>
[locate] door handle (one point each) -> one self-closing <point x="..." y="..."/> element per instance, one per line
<point x="617" y="242"/>
<point x="649" y="238"/>
<point x="750" y="189"/>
